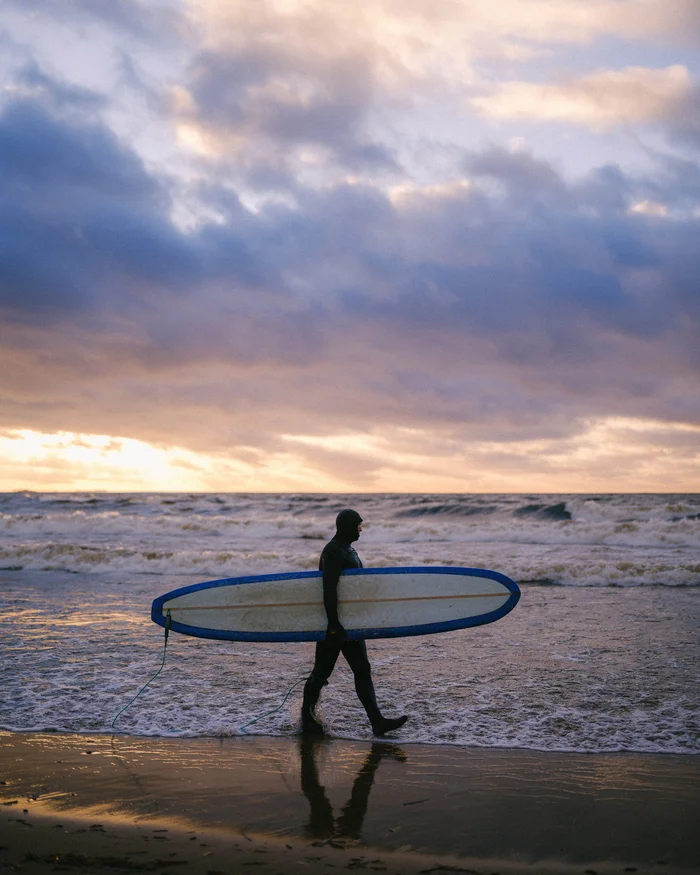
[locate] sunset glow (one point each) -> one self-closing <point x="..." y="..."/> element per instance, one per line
<point x="625" y="452"/>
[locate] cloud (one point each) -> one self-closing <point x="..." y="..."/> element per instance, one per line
<point x="33" y="82"/>
<point x="251" y="100"/>
<point x="486" y="312"/>
<point x="598" y="100"/>
<point x="277" y="95"/>
<point x="143" y="20"/>
<point x="41" y="150"/>
<point x="69" y="189"/>
<point x="313" y="88"/>
<point x="409" y="41"/>
<point x="362" y="324"/>
<point x="684" y="120"/>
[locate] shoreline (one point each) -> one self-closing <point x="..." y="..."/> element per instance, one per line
<point x="279" y="804"/>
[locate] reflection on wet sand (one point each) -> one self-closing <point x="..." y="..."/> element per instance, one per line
<point x="348" y="825"/>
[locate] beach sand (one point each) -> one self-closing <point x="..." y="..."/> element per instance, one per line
<point x="279" y="805"/>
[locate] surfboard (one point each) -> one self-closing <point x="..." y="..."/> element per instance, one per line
<point x="372" y="603"/>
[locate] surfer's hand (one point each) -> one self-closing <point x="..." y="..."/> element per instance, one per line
<point x="335" y="632"/>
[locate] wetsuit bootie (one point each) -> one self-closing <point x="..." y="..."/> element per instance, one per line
<point x="365" y="693"/>
<point x="312" y="690"/>
<point x="387" y="724"/>
<point x="310" y="725"/>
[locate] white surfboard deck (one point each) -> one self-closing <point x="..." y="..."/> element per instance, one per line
<point x="372" y="603"/>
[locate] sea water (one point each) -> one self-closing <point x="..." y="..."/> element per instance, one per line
<point x="601" y="654"/>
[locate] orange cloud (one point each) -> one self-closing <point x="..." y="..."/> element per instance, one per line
<point x="600" y="100"/>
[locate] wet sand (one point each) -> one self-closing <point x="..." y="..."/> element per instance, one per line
<point x="278" y="805"/>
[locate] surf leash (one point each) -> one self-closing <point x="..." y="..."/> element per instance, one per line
<point x="162" y="664"/>
<point x="274" y="710"/>
<point x="165" y="647"/>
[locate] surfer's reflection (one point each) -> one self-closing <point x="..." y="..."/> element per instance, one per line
<point x="322" y="824"/>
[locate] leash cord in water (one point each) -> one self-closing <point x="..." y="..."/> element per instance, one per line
<point x="165" y="647"/>
<point x="274" y="710"/>
<point x="162" y="664"/>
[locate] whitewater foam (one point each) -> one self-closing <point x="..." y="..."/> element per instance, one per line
<point x="570" y="540"/>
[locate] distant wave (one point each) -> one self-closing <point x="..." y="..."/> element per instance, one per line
<point x="567" y="540"/>
<point x="445" y="510"/>
<point x="467" y="508"/>
<point x="550" y="512"/>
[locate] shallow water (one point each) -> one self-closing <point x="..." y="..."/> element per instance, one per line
<point x="601" y="654"/>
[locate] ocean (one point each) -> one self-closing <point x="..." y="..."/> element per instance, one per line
<point x="601" y="654"/>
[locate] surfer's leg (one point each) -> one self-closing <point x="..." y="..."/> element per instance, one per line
<point x="324" y="663"/>
<point x="355" y="652"/>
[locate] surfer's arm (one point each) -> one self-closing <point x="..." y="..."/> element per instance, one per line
<point x="332" y="569"/>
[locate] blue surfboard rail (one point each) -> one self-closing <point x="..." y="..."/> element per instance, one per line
<point x="355" y="634"/>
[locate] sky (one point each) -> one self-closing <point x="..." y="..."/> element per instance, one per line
<point x="367" y="246"/>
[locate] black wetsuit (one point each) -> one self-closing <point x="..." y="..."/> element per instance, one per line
<point x="337" y="556"/>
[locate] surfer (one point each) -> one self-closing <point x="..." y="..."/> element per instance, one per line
<point x="337" y="555"/>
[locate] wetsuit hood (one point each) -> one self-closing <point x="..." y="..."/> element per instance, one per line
<point x="347" y="523"/>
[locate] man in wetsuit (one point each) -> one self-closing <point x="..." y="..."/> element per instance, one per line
<point x="337" y="555"/>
